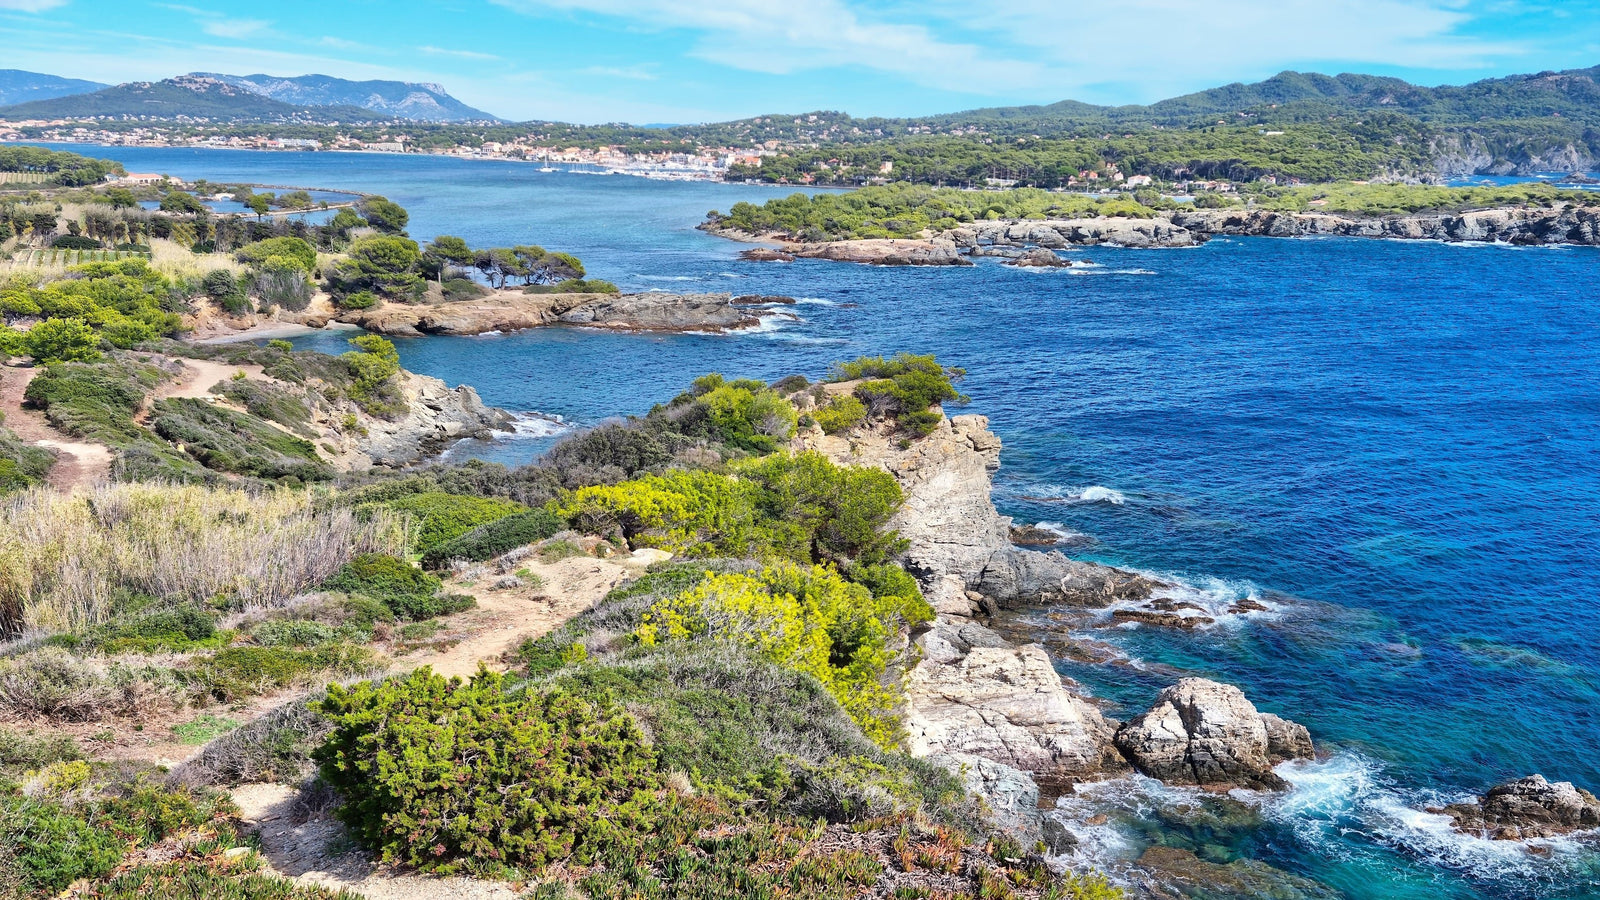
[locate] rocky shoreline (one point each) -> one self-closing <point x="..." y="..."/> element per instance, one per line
<point x="508" y="311"/>
<point x="999" y="714"/>
<point x="1523" y="226"/>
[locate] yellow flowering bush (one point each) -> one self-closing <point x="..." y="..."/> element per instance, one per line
<point x="807" y="618"/>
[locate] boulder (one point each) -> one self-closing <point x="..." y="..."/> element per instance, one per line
<point x="1039" y="259"/>
<point x="1204" y="733"/>
<point x="436" y="415"/>
<point x="766" y="254"/>
<point x="1005" y="704"/>
<point x="1530" y="807"/>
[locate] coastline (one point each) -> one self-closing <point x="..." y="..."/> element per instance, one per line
<point x="1523" y="226"/>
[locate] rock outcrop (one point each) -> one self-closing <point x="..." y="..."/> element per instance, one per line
<point x="1055" y="234"/>
<point x="436" y="416"/>
<point x="1039" y="258"/>
<point x="1204" y="733"/>
<point x="885" y="252"/>
<point x="1005" y="704"/>
<point x="1529" y="807"/>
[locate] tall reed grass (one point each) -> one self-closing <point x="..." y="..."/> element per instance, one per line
<point x="67" y="559"/>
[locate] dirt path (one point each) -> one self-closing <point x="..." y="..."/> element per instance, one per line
<point x="78" y="463"/>
<point x="505" y="617"/>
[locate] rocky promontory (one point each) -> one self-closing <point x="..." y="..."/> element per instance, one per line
<point x="999" y="712"/>
<point x="1026" y="243"/>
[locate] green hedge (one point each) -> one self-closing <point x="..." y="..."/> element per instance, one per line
<point x="408" y="592"/>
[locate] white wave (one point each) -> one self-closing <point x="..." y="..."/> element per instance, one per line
<point x="816" y="301"/>
<point x="1060" y="530"/>
<point x="538" y="425"/>
<point x="491" y="333"/>
<point x="767" y="324"/>
<point x="1077" y="271"/>
<point x="732" y="275"/>
<point x="1348" y="795"/>
<point x="667" y="277"/>
<point x="1097" y="494"/>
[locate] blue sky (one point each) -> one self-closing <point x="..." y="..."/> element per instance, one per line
<point x="702" y="60"/>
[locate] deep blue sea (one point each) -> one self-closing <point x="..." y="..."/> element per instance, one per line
<point x="1395" y="445"/>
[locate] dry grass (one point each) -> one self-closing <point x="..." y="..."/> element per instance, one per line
<point x="65" y="558"/>
<point x="176" y="261"/>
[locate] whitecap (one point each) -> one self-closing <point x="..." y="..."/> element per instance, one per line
<point x="767" y="324"/>
<point x="1078" y="271"/>
<point x="816" y="301"/>
<point x="1348" y="795"/>
<point x="667" y="277"/>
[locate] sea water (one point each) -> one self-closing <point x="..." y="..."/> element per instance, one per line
<point x="1394" y="446"/>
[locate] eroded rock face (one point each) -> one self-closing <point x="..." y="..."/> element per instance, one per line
<point x="1205" y="733"/>
<point x="437" y="415"/>
<point x="1012" y="797"/>
<point x="1530" y="807"/>
<point x="1039" y="258"/>
<point x="514" y="311"/>
<point x="1005" y="704"/>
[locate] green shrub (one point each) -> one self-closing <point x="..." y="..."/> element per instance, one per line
<point x="841" y="413"/>
<point x="457" y="289"/>
<point x="145" y="813"/>
<point x="75" y="242"/>
<point x="228" y="441"/>
<point x="296" y="633"/>
<point x="495" y="538"/>
<point x="239" y="672"/>
<point x="44" y="848"/>
<point x="180" y="629"/>
<point x="21" y="753"/>
<point x="906" y="386"/>
<point x="817" y="511"/>
<point x="271" y="402"/>
<point x="687" y="513"/>
<point x="358" y="300"/>
<point x="22" y="465"/>
<point x="281" y="344"/>
<point x="437" y="773"/>
<point x="746" y="414"/>
<point x="438" y="517"/>
<point x="62" y="340"/>
<point x="291" y="249"/>
<point x="406" y="591"/>
<point x="372" y="367"/>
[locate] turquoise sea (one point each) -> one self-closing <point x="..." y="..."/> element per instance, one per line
<point x="1395" y="446"/>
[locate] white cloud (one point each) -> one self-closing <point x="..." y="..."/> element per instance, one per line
<point x="1123" y="51"/>
<point x="779" y="38"/>
<point x="458" y="54"/>
<point x="235" y="28"/>
<point x="31" y="6"/>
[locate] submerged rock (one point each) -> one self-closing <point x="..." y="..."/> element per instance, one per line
<point x="1180" y="873"/>
<point x="1530" y="807"/>
<point x="766" y="254"/>
<point x="1205" y="733"/>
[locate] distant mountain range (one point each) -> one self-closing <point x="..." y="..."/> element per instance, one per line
<point x="263" y="98"/>
<point x="423" y="101"/>
<point x="17" y="86"/>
